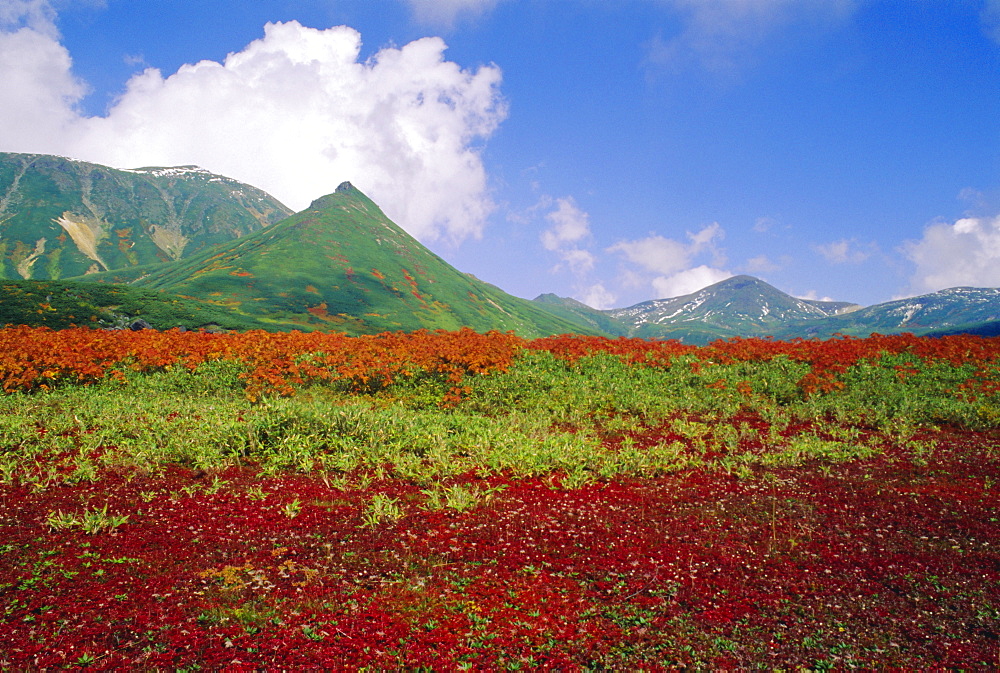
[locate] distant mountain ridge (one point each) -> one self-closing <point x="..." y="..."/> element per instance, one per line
<point x="61" y="218"/>
<point x="947" y="310"/>
<point x="744" y="306"/>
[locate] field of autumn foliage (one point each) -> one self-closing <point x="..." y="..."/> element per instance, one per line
<point x="455" y="500"/>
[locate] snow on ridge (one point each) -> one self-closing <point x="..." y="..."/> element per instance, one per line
<point x="171" y="170"/>
<point x="668" y="317"/>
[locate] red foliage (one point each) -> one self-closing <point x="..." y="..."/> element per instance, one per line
<point x="32" y="358"/>
<point x="867" y="564"/>
<point x="634" y="351"/>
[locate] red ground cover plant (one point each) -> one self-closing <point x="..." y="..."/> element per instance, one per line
<point x="879" y="562"/>
<point x="869" y="563"/>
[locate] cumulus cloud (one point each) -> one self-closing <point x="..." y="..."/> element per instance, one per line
<point x="655" y="253"/>
<point x="577" y="260"/>
<point x="951" y="255"/>
<point x="666" y="255"/>
<point x="38" y="15"/>
<point x="599" y="297"/>
<point x="688" y="281"/>
<point x="706" y="238"/>
<point x="570" y="225"/>
<point x="295" y="113"/>
<point x="844" y="251"/>
<point x="37" y="110"/>
<point x="668" y="263"/>
<point x="717" y="34"/>
<point x="445" y="13"/>
<point x="568" y="237"/>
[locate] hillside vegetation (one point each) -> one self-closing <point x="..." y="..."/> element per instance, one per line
<point x="64" y="304"/>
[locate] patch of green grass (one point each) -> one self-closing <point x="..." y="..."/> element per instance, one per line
<point x="544" y="415"/>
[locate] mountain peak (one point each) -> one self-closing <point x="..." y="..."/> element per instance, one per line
<point x="741" y="305"/>
<point x="342" y="264"/>
<point x="345" y="193"/>
<point x="740" y="281"/>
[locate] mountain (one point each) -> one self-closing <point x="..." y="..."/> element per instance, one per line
<point x="198" y="249"/>
<point x="953" y="311"/>
<point x="61" y="218"/>
<point x="738" y="306"/>
<point x="341" y="264"/>
<point x="744" y="306"/>
<point x="583" y="315"/>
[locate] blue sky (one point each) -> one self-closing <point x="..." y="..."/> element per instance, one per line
<point x="614" y="152"/>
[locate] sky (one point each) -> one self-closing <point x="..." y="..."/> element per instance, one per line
<point x="610" y="151"/>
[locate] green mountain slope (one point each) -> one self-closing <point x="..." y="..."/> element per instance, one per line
<point x="342" y="264"/>
<point x="581" y="314"/>
<point x="59" y="304"/>
<point x="61" y="218"/>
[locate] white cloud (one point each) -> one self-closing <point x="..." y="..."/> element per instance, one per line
<point x="706" y="237"/>
<point x="666" y="255"/>
<point x="972" y="196"/>
<point x="38" y="15"/>
<point x="579" y="261"/>
<point x="599" y="297"/>
<point x="37" y="108"/>
<point x="844" y="251"/>
<point x="813" y="296"/>
<point x="950" y="255"/>
<point x="570" y="225"/>
<point x="655" y="253"/>
<point x="294" y="113"/>
<point x="666" y="264"/>
<point x="688" y="281"/>
<point x="445" y="13"/>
